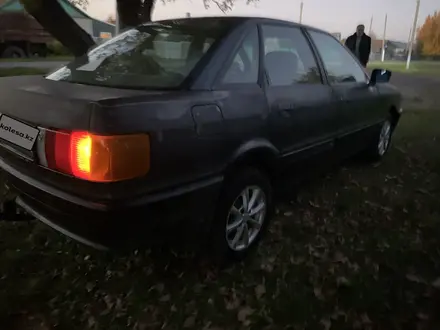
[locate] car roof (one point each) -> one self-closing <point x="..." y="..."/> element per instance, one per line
<point x="234" y="21"/>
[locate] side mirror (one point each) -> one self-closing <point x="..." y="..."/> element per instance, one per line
<point x="380" y="76"/>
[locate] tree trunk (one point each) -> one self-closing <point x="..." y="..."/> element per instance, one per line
<point x="147" y="11"/>
<point x="134" y="12"/>
<point x="128" y="12"/>
<point x="54" y="19"/>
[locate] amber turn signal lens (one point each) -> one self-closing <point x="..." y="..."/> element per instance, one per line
<point x="109" y="158"/>
<point x="99" y="158"/>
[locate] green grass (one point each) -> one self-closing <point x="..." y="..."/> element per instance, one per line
<point x="38" y="59"/>
<point x="358" y="249"/>
<point x="17" y="71"/>
<point x="430" y="68"/>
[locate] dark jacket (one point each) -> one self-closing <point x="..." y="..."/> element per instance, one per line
<point x="364" y="47"/>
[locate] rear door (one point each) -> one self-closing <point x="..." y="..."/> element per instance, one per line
<point x="303" y="114"/>
<point x="239" y="94"/>
<point x="358" y="109"/>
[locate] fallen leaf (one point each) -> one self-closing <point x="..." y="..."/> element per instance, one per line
<point x="318" y="293"/>
<point x="159" y="287"/>
<point x="423" y="191"/>
<point x="365" y="319"/>
<point x="165" y="298"/>
<point x="355" y="183"/>
<point x="338" y="313"/>
<point x="297" y="261"/>
<point x="91" y="322"/>
<point x="339" y="257"/>
<point x="189" y="322"/>
<point x="313" y="204"/>
<point x="244" y="313"/>
<point x="414" y="278"/>
<point x="436" y="283"/>
<point x="326" y="323"/>
<point x="342" y="281"/>
<point x="422" y="316"/>
<point x="386" y="209"/>
<point x="232" y="303"/>
<point x="90" y="287"/>
<point x="267" y="267"/>
<point x="260" y="290"/>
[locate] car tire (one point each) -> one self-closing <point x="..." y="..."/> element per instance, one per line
<point x="381" y="143"/>
<point x="13" y="52"/>
<point x="239" y="224"/>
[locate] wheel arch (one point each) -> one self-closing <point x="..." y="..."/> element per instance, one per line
<point x="260" y="154"/>
<point x="394" y="115"/>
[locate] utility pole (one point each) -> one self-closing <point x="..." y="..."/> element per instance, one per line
<point x="384" y="37"/>
<point x="117" y="25"/>
<point x="301" y="12"/>
<point x="409" y="39"/>
<point x="371" y="26"/>
<point x="413" y="34"/>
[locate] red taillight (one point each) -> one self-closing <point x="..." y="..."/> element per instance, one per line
<point x="96" y="157"/>
<point x="81" y="154"/>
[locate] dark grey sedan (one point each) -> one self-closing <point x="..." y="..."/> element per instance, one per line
<point x="184" y="126"/>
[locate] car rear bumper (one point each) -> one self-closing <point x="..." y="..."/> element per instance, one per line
<point x="167" y="216"/>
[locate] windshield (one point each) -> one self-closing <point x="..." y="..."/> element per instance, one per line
<point x="157" y="55"/>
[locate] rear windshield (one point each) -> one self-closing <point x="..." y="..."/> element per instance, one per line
<point x="157" y="55"/>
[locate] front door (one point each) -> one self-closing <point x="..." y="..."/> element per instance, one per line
<point x="358" y="108"/>
<point x="303" y="116"/>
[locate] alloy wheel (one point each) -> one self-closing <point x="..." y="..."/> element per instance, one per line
<point x="384" y="138"/>
<point x="246" y="217"/>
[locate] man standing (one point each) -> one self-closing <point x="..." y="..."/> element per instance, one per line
<point x="360" y="44"/>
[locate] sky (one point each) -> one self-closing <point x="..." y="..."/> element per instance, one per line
<point x="331" y="15"/>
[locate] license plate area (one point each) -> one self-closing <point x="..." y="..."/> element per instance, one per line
<point x="17" y="133"/>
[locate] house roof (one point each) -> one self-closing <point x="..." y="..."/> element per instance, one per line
<point x="399" y="44"/>
<point x="376" y="45"/>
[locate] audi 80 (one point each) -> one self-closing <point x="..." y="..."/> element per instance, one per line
<point x="187" y="123"/>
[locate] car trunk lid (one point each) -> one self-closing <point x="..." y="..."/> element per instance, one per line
<point x="41" y="102"/>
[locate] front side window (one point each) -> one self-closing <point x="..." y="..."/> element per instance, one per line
<point x="340" y="65"/>
<point x="244" y="67"/>
<point x="288" y="57"/>
<point x="156" y="55"/>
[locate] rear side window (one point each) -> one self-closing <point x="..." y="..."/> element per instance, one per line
<point x="150" y="56"/>
<point x="244" y="67"/>
<point x="340" y="65"/>
<point x="288" y="57"/>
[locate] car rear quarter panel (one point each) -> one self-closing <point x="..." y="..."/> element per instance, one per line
<point x="245" y="113"/>
<point x="194" y="134"/>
